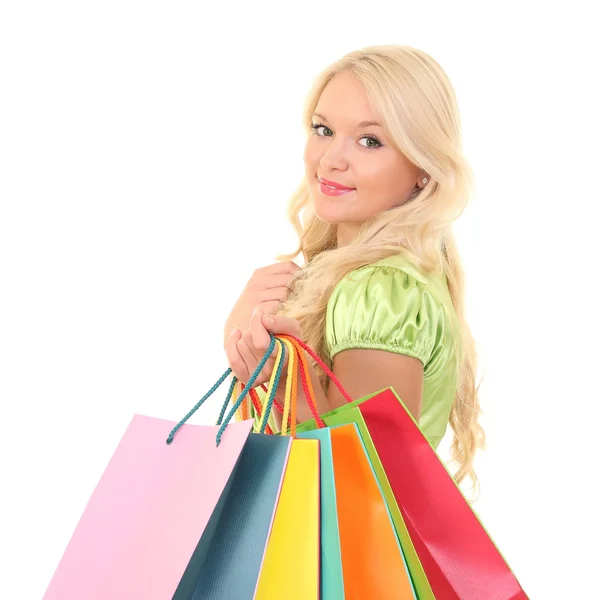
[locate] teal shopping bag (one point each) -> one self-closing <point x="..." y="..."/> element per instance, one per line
<point x="332" y="579"/>
<point x="229" y="567"/>
<point x="232" y="564"/>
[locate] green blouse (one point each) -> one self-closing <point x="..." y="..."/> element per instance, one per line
<point x="390" y="305"/>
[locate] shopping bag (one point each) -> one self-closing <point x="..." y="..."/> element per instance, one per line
<point x="292" y="550"/>
<point x="148" y="513"/>
<point x="383" y="569"/>
<point x="291" y="565"/>
<point x="373" y="562"/>
<point x="351" y="414"/>
<point x="233" y="560"/>
<point x="457" y="555"/>
<point x="150" y="524"/>
<point x="332" y="579"/>
<point x="330" y="567"/>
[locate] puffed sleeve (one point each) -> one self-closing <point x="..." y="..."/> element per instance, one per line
<point x="384" y="308"/>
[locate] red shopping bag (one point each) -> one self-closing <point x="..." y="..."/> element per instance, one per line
<point x="459" y="557"/>
<point x="460" y="560"/>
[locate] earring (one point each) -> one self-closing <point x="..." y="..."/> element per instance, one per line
<point x="424" y="180"/>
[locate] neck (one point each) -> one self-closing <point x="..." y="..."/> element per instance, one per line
<point x="346" y="233"/>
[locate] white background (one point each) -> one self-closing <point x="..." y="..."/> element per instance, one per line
<point x="147" y="152"/>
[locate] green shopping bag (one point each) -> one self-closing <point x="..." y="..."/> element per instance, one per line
<point x="334" y="576"/>
<point x="350" y="414"/>
<point x="458" y="557"/>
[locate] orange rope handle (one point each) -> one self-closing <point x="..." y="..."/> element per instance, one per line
<point x="323" y="366"/>
<point x="307" y="386"/>
<point x="294" y="403"/>
<point x="273" y="384"/>
<point x="252" y="395"/>
<point x="245" y="408"/>
<point x="258" y="408"/>
<point x="291" y="392"/>
<point x="275" y="402"/>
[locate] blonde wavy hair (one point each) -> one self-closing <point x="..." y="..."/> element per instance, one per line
<point x="418" y="108"/>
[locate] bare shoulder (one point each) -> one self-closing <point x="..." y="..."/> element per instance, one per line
<point x="363" y="371"/>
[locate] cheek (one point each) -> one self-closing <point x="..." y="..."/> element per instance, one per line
<point x="386" y="182"/>
<point x="373" y="177"/>
<point x="311" y="156"/>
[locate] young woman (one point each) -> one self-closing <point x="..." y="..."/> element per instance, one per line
<point x="380" y="297"/>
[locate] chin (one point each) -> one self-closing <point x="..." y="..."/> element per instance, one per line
<point x="330" y="214"/>
<point x="330" y="210"/>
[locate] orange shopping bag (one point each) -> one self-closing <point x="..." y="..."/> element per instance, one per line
<point x="372" y="560"/>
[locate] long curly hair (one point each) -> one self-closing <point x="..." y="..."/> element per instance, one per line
<point x="417" y="104"/>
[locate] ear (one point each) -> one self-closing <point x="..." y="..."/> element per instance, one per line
<point x="423" y="180"/>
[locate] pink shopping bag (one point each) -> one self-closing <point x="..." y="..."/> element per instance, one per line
<point x="148" y="513"/>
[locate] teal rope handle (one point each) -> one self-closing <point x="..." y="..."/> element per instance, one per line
<point x="216" y="386"/>
<point x="249" y="385"/>
<point x="246" y="390"/>
<point x="273" y="390"/>
<point x="253" y="378"/>
<point x="212" y="390"/>
<point x="227" y="400"/>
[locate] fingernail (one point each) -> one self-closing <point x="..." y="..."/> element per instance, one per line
<point x="235" y="331"/>
<point x="268" y="320"/>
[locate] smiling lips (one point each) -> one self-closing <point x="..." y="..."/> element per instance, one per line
<point x="332" y="188"/>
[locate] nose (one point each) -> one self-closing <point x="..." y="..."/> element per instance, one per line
<point x="334" y="157"/>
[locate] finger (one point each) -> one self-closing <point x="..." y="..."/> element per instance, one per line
<point x="270" y="295"/>
<point x="268" y="282"/>
<point x="261" y="339"/>
<point x="252" y="363"/>
<point x="247" y="355"/>
<point x="236" y="362"/>
<point x="284" y="266"/>
<point x="270" y="308"/>
<point x="247" y="338"/>
<point x="280" y="324"/>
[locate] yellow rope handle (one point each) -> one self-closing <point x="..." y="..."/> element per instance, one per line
<point x="271" y="384"/>
<point x="242" y="412"/>
<point x="290" y="401"/>
<point x="302" y="361"/>
<point x="291" y="391"/>
<point x="294" y="397"/>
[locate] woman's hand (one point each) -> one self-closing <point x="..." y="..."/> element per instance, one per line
<point x="267" y="288"/>
<point x="246" y="349"/>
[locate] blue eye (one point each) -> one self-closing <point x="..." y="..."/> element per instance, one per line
<point x="370" y="138"/>
<point x="372" y="141"/>
<point x="316" y="126"/>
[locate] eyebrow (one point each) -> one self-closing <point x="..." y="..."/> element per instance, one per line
<point x="361" y="124"/>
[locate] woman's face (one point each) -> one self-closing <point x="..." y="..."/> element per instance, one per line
<point x="348" y="149"/>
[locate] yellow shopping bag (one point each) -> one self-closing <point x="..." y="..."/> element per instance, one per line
<point x="291" y="564"/>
